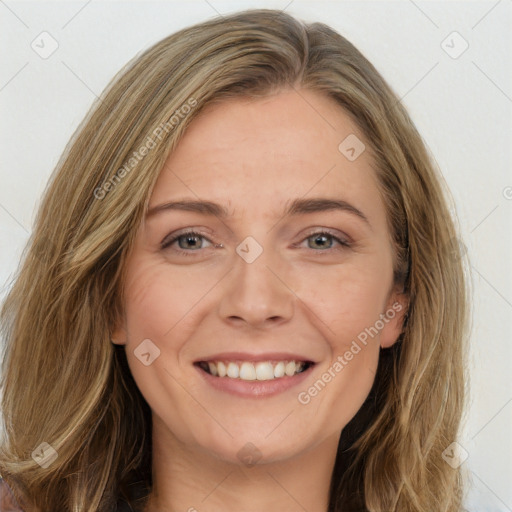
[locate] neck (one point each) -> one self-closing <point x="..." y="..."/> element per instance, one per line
<point x="190" y="479"/>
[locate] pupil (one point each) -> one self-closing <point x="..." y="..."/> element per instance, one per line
<point x="318" y="240"/>
<point x="192" y="240"/>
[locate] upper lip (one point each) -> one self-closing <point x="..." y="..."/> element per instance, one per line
<point x="266" y="356"/>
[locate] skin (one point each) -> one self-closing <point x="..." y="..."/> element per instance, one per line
<point x="300" y="295"/>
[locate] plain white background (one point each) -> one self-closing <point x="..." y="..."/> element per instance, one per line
<point x="461" y="102"/>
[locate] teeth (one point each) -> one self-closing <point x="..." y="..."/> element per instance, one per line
<point x="290" y="369"/>
<point x="233" y="370"/>
<point x="221" y="368"/>
<point x="279" y="370"/>
<point x="263" y="370"/>
<point x="213" y="368"/>
<point x="247" y="371"/>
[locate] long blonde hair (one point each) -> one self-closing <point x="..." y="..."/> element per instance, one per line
<point x="65" y="384"/>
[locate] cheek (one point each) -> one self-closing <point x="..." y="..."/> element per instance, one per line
<point x="160" y="307"/>
<point x="348" y="299"/>
<point x="348" y="302"/>
<point x="159" y="300"/>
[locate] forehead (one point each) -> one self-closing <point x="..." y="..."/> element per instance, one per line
<point x="258" y="154"/>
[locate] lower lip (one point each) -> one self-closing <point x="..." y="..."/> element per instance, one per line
<point x="254" y="388"/>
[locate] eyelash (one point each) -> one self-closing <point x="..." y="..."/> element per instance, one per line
<point x="343" y="243"/>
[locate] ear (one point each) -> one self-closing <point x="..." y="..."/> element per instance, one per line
<point x="118" y="335"/>
<point x="393" y="318"/>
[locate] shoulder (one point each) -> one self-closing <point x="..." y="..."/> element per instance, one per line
<point x="7" y="501"/>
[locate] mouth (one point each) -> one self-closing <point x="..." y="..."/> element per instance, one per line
<point x="254" y="371"/>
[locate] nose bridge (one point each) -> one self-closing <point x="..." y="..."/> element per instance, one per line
<point x="256" y="294"/>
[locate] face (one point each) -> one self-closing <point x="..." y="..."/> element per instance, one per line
<point x="292" y="263"/>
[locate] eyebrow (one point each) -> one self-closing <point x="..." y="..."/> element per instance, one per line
<point x="296" y="207"/>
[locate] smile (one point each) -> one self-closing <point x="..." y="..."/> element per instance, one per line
<point x="248" y="371"/>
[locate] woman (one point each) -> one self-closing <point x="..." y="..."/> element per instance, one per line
<point x="243" y="291"/>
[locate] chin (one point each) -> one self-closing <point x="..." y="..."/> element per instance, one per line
<point x="247" y="450"/>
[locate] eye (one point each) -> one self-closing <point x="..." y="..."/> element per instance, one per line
<point x="191" y="241"/>
<point x="324" y="240"/>
<point x="188" y="242"/>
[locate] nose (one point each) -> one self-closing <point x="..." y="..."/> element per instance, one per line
<point x="257" y="294"/>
